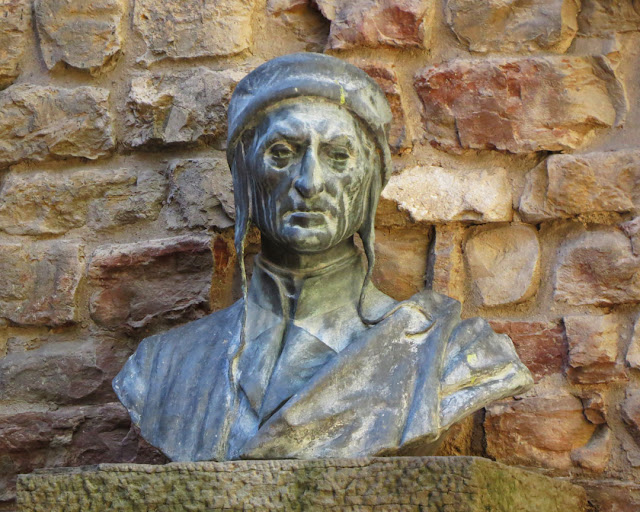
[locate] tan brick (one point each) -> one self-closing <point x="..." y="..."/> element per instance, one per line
<point x="514" y="104"/>
<point x="85" y="35"/>
<point x="518" y="26"/>
<point x="38" y="123"/>
<point x="38" y="282"/>
<point x="140" y="283"/>
<point x="503" y="264"/>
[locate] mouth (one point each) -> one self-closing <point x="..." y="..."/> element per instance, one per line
<point x="305" y="219"/>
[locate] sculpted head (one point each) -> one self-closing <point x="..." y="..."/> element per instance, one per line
<point x="310" y="164"/>
<point x="308" y="151"/>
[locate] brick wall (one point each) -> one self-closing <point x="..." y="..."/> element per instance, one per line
<point x="516" y="143"/>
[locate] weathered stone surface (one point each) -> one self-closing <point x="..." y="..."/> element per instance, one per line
<point x="445" y="264"/>
<point x="612" y="495"/>
<point x="200" y="194"/>
<point x="304" y="19"/>
<point x="41" y="202"/>
<point x="601" y="17"/>
<point x="520" y="26"/>
<point x="85" y="35"/>
<point x="517" y="105"/>
<point x="401" y="261"/>
<point x="37" y="123"/>
<point x="192" y="28"/>
<point x="540" y="345"/>
<point x="537" y="431"/>
<point x="595" y="407"/>
<point x="597" y="267"/>
<point x="633" y="352"/>
<point x="568" y="185"/>
<point x="434" y="194"/>
<point x="136" y="284"/>
<point x="376" y="23"/>
<point x="38" y="282"/>
<point x="387" y="79"/>
<point x="68" y="436"/>
<point x="593" y="348"/>
<point x="406" y="483"/>
<point x="503" y="264"/>
<point x="630" y="409"/>
<point x="59" y="372"/>
<point x="14" y="26"/>
<point x="180" y="107"/>
<point x="595" y="455"/>
<point x="632" y="230"/>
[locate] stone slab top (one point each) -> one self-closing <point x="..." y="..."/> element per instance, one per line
<point x="461" y="484"/>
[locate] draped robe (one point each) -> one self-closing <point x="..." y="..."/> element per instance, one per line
<point x="310" y="379"/>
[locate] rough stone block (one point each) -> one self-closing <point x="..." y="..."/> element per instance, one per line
<point x="595" y="455"/>
<point x="540" y="345"/>
<point x="200" y="194"/>
<point x="38" y="123"/>
<point x="67" y="436"/>
<point x="631" y="411"/>
<point x="431" y="484"/>
<point x="59" y="372"/>
<point x="537" y="431"/>
<point x="595" y="407"/>
<point x="192" y="28"/>
<point x="602" y="17"/>
<point x="136" y="284"/>
<point x="445" y="264"/>
<point x="304" y="19"/>
<point x="435" y="194"/>
<point x="179" y="107"/>
<point x="593" y="348"/>
<point x="85" y="35"/>
<point x="610" y="495"/>
<point x="597" y="267"/>
<point x="503" y="264"/>
<point x="632" y="230"/>
<point x="633" y="352"/>
<point x="376" y="23"/>
<point x="14" y="30"/>
<point x="519" y="26"/>
<point x="38" y="282"/>
<point x="401" y="260"/>
<point x="387" y="79"/>
<point x="569" y="185"/>
<point x="515" y="104"/>
<point x="42" y="202"/>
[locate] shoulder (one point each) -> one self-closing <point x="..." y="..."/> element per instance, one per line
<point x="157" y="355"/>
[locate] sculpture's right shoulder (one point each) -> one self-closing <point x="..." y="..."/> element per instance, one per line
<point x="161" y="354"/>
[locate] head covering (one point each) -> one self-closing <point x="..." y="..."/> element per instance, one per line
<point x="311" y="74"/>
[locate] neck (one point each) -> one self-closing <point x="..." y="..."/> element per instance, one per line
<point x="306" y="262"/>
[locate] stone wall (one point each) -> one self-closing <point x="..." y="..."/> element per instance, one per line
<point x="517" y="191"/>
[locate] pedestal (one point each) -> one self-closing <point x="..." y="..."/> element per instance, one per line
<point x="455" y="484"/>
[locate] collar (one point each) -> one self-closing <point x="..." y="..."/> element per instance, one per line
<point x="307" y="298"/>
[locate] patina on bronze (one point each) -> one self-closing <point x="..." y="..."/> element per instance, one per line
<point x="314" y="361"/>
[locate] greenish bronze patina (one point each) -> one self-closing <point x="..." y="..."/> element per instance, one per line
<point x="426" y="484"/>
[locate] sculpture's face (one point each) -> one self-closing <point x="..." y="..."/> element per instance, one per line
<point x="310" y="168"/>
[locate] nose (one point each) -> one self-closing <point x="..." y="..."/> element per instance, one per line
<point x="309" y="181"/>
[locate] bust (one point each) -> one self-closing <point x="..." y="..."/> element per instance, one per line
<point x="313" y="361"/>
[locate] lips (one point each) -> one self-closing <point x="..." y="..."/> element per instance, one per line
<point x="305" y="219"/>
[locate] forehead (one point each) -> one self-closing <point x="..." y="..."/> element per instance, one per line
<point x="299" y="119"/>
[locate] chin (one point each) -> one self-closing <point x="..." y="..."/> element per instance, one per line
<point x="307" y="240"/>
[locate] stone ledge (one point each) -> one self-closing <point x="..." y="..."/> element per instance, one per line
<point x="460" y="484"/>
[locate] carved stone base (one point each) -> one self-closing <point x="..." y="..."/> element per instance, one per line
<point x="456" y="484"/>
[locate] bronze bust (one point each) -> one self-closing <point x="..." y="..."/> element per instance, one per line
<point x="314" y="361"/>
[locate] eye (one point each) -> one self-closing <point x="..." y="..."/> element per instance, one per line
<point x="338" y="156"/>
<point x="280" y="154"/>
